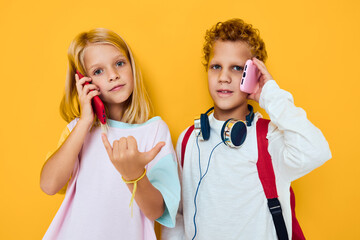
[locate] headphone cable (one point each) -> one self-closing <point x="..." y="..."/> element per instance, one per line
<point x="201" y="178"/>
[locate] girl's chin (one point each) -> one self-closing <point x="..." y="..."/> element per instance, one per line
<point x="112" y="101"/>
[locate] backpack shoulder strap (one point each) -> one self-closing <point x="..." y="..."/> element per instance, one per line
<point x="184" y="142"/>
<point x="267" y="178"/>
<point x="264" y="163"/>
<point x="297" y="233"/>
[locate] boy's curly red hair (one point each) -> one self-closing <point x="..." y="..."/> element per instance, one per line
<point x="234" y="30"/>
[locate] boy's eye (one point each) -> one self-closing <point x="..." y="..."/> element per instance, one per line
<point x="120" y="63"/>
<point x="98" y="71"/>
<point x="216" y="66"/>
<point x="238" y="68"/>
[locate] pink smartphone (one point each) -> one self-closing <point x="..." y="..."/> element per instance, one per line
<point x="250" y="77"/>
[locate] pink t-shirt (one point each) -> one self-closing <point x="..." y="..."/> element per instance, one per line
<point x="96" y="204"/>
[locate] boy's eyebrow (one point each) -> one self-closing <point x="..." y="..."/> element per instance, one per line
<point x="233" y="64"/>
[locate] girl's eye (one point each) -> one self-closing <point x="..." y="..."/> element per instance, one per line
<point x="215" y="67"/>
<point x="238" y="68"/>
<point x="98" y="71"/>
<point x="120" y="63"/>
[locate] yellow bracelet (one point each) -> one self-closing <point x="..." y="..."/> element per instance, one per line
<point x="134" y="189"/>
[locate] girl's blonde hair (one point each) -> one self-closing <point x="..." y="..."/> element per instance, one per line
<point x="138" y="106"/>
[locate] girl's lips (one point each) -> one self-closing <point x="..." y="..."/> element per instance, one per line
<point x="117" y="88"/>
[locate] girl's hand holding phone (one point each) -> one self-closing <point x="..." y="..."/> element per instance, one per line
<point x="126" y="158"/>
<point x="86" y="93"/>
<point x="264" y="77"/>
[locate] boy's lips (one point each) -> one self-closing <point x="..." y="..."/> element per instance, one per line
<point x="117" y="87"/>
<point x="224" y="92"/>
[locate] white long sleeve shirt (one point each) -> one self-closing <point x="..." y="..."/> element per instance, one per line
<point x="231" y="203"/>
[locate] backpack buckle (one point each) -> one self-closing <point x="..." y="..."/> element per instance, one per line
<point x="274" y="206"/>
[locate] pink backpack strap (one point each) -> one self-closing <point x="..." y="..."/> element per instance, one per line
<point x="184" y="142"/>
<point x="267" y="178"/>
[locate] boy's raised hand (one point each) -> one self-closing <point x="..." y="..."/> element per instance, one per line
<point x="126" y="158"/>
<point x="265" y="76"/>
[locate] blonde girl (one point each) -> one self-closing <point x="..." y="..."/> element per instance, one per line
<point x="139" y="167"/>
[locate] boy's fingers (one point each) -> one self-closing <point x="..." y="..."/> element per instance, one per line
<point x="106" y="144"/>
<point x="260" y="65"/>
<point x="262" y="68"/>
<point x="150" y="155"/>
<point x="258" y="61"/>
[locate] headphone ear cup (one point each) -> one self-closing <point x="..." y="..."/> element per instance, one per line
<point x="205" y="126"/>
<point x="238" y="133"/>
<point x="233" y="133"/>
<point x="223" y="133"/>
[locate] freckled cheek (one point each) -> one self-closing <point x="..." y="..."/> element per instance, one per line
<point x="100" y="87"/>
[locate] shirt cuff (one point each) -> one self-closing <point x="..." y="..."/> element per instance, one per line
<point x="164" y="177"/>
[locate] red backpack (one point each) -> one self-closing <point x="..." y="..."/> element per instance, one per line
<point x="267" y="178"/>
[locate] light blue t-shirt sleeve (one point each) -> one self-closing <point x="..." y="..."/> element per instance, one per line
<point x="164" y="177"/>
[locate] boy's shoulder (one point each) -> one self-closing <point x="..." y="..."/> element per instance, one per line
<point x="187" y="131"/>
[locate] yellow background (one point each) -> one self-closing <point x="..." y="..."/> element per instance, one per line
<point x="313" y="49"/>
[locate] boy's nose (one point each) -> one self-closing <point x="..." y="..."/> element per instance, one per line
<point x="224" y="77"/>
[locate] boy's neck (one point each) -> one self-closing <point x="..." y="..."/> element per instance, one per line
<point x="238" y="113"/>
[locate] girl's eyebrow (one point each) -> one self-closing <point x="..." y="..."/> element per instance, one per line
<point x="94" y="66"/>
<point x="120" y="55"/>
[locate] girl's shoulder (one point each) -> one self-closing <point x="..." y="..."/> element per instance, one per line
<point x="158" y="121"/>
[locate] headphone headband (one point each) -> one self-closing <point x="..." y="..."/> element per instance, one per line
<point x="208" y="111"/>
<point x="250" y="117"/>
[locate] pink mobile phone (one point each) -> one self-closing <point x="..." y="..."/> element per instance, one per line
<point x="97" y="104"/>
<point x="250" y="77"/>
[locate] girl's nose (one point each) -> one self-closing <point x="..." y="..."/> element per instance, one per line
<point x="113" y="75"/>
